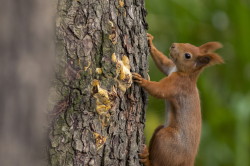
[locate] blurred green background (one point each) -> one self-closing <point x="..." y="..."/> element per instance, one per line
<point x="224" y="89"/>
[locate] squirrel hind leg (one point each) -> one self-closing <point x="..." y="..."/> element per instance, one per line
<point x="144" y="156"/>
<point x="154" y="135"/>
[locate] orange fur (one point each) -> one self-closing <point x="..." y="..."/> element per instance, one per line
<point x="176" y="143"/>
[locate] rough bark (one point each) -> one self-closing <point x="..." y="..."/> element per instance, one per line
<point x="97" y="113"/>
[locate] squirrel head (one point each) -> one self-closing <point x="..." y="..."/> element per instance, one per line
<point x="189" y="58"/>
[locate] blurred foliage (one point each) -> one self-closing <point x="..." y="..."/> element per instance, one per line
<point x="224" y="89"/>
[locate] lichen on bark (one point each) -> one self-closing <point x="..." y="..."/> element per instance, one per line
<point x="88" y="33"/>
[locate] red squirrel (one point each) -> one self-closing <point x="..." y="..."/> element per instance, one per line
<point x="176" y="143"/>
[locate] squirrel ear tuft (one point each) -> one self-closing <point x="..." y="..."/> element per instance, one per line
<point x="210" y="47"/>
<point x="208" y="59"/>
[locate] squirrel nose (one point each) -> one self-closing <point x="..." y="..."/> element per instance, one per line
<point x="172" y="46"/>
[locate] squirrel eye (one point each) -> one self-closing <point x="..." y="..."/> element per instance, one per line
<point x="187" y="55"/>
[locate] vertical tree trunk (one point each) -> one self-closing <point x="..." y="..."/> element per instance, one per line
<point x="97" y="113"/>
<point x="26" y="48"/>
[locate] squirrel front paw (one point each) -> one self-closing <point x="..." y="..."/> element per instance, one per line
<point x="138" y="79"/>
<point x="144" y="156"/>
<point x="150" y="39"/>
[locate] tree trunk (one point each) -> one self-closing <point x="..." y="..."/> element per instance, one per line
<point x="97" y="114"/>
<point x="26" y="48"/>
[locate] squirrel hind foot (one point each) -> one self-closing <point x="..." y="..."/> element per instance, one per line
<point x="144" y="156"/>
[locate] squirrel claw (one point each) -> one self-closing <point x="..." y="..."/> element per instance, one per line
<point x="143" y="147"/>
<point x="149" y="36"/>
<point x="136" y="74"/>
<point x="150" y="39"/>
<point x="144" y="152"/>
<point x="137" y="78"/>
